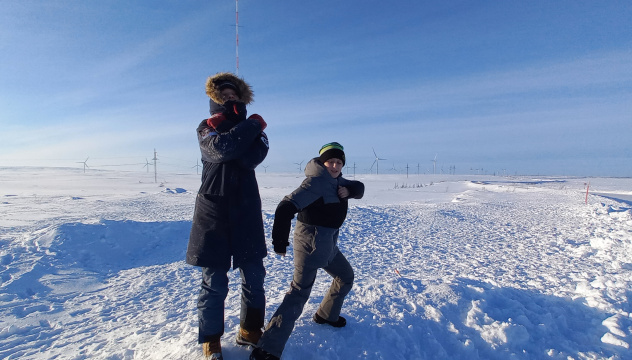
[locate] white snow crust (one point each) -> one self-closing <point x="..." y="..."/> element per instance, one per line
<point x="447" y="267"/>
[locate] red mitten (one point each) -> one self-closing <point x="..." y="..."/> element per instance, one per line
<point x="259" y="119"/>
<point x="215" y="120"/>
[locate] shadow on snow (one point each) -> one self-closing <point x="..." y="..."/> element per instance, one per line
<point x="80" y="252"/>
<point x="465" y="319"/>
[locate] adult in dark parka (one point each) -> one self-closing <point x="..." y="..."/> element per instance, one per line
<point x="227" y="222"/>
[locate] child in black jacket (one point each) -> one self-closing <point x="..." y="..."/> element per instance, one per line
<point x="321" y="203"/>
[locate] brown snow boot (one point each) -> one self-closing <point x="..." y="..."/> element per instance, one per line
<point x="212" y="350"/>
<point x="248" y="337"/>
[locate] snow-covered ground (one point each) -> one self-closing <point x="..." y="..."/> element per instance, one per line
<point x="447" y="267"/>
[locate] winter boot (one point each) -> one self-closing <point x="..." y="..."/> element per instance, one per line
<point x="341" y="322"/>
<point x="248" y="338"/>
<point x="212" y="350"/>
<point x="260" y="354"/>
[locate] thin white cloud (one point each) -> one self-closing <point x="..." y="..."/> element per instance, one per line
<point x="591" y="78"/>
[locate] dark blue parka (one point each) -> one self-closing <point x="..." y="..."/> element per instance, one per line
<point x="227" y="220"/>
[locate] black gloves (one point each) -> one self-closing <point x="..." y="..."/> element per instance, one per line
<point x="280" y="248"/>
<point x="235" y="111"/>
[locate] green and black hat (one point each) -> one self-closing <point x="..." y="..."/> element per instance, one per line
<point x="332" y="150"/>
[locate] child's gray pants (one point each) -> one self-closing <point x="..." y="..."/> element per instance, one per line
<point x="314" y="247"/>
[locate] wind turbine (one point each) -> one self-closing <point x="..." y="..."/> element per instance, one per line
<point x="148" y="164"/>
<point x="197" y="166"/>
<point x="299" y="166"/>
<point x="85" y="165"/>
<point x="434" y="164"/>
<point x="376" y="161"/>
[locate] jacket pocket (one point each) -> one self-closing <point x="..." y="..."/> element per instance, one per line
<point x="313" y="245"/>
<point x="305" y="238"/>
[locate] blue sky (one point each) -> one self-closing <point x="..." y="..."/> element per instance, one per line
<point x="515" y="87"/>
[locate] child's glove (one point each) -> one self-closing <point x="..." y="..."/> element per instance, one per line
<point x="280" y="248"/>
<point x="235" y="111"/>
<point x="259" y="119"/>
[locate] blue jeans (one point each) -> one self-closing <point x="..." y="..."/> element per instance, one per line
<point x="213" y="294"/>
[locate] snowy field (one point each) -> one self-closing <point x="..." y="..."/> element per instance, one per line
<point x="447" y="267"/>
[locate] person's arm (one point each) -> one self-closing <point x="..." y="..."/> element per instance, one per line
<point x="287" y="208"/>
<point x="256" y="153"/>
<point x="354" y="188"/>
<point x="283" y="216"/>
<point x="258" y="149"/>
<point x="221" y="147"/>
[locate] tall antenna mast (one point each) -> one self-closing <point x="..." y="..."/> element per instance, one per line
<point x="237" y="35"/>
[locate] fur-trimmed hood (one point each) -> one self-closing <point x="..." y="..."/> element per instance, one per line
<point x="212" y="87"/>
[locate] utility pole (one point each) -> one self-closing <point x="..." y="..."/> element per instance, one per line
<point x="354" y="170"/>
<point x="155" y="167"/>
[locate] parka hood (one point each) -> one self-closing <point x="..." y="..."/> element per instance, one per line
<point x="315" y="168"/>
<point x="213" y="83"/>
<point x="317" y="184"/>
